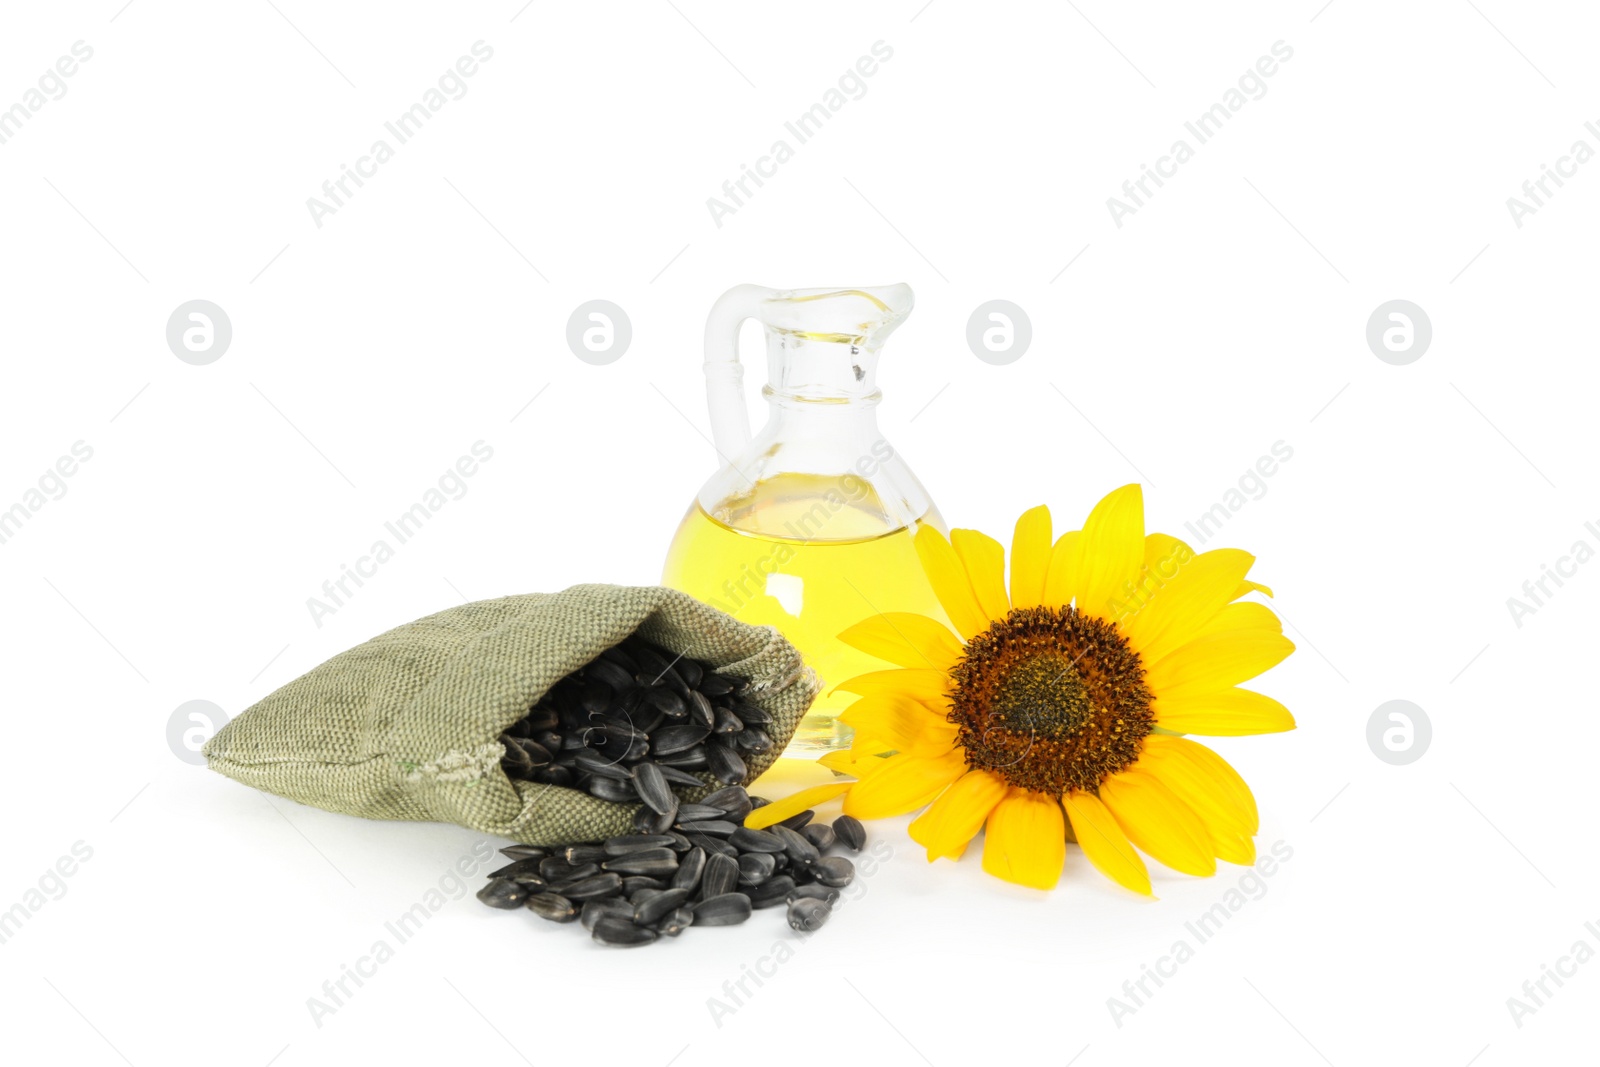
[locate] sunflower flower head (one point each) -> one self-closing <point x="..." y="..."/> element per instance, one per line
<point x="1055" y="708"/>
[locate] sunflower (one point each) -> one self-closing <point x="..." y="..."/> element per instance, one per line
<point x="1056" y="712"/>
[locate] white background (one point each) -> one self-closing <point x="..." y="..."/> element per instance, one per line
<point x="1228" y="314"/>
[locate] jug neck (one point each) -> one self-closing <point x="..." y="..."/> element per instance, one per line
<point x="816" y="370"/>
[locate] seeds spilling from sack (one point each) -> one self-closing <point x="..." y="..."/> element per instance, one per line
<point x="630" y="725"/>
<point x="702" y="871"/>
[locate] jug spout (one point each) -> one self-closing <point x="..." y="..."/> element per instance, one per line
<point x="822" y="345"/>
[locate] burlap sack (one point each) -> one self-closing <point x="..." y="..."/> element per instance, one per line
<point x="407" y="725"/>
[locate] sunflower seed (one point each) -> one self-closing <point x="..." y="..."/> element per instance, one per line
<point x="595" y="764"/>
<point x="651" y="861"/>
<point x="525" y="852"/>
<point x="717" y="685"/>
<point x="700" y="710"/>
<point x="720" y="876"/>
<point x="673" y="739"/>
<point x="595" y="910"/>
<point x="581" y="854"/>
<point x="819" y="834"/>
<point x="733" y="800"/>
<point x="713" y="846"/>
<point x="679" y="777"/>
<point x="613" y="790"/>
<point x="603" y="670"/>
<point x="503" y="893"/>
<point x="725" y="909"/>
<point x="608" y="884"/>
<point x="727" y="722"/>
<point x="553" y="868"/>
<point x="621" y="846"/>
<point x="698" y="813"/>
<point x="815" y="891"/>
<point x="807" y="914"/>
<point x="632" y="883"/>
<point x="753" y="739"/>
<point x="752" y="714"/>
<point x="677" y="922"/>
<point x="835" y="871"/>
<point x="668" y="702"/>
<point x="616" y="654"/>
<point x="725" y="764"/>
<point x="515" y="760"/>
<point x="798" y="820"/>
<point x="772" y="892"/>
<point x="849" y="830"/>
<point x="621" y="933"/>
<point x="552" y="775"/>
<point x="756" y="867"/>
<point x="690" y="867"/>
<point x="659" y="906"/>
<point x="646" y="821"/>
<point x="714" y="827"/>
<point x="747" y="840"/>
<point x="522" y="866"/>
<point x="552" y="906"/>
<point x="691" y="759"/>
<point x="653" y="789"/>
<point x="576" y="874"/>
<point x="800" y="850"/>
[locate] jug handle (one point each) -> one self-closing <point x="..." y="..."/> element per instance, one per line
<point x="730" y="419"/>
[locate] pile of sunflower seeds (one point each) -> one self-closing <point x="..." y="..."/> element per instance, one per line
<point x="707" y="869"/>
<point x="630" y="725"/>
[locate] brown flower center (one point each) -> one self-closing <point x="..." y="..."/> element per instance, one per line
<point x="1051" y="700"/>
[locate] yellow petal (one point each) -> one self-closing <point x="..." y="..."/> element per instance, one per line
<point x="1243" y="615"/>
<point x="985" y="561"/>
<point x="1221" y="772"/>
<point x="1030" y="557"/>
<point x="903" y="783"/>
<point x="1060" y="579"/>
<point x="1252" y="587"/>
<point x="1104" y="843"/>
<point x="1165" y="555"/>
<point x="1158" y="822"/>
<point x="905" y="639"/>
<point x="860" y="759"/>
<point x="1208" y="664"/>
<point x="1197" y="591"/>
<point x="794" y="804"/>
<point x="1025" y="841"/>
<point x="928" y="686"/>
<point x="1227" y="825"/>
<point x="949" y="580"/>
<point x="952" y="821"/>
<point x="902" y="723"/>
<point x="1109" y="552"/>
<point x="1222" y="713"/>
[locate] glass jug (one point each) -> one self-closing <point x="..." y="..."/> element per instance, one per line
<point x="809" y="525"/>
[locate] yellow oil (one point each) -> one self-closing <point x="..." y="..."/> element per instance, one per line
<point x="811" y="555"/>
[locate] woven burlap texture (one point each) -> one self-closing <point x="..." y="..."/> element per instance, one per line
<point x="407" y="725"/>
